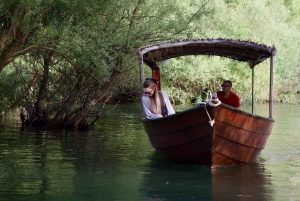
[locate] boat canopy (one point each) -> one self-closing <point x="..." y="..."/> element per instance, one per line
<point x="243" y="51"/>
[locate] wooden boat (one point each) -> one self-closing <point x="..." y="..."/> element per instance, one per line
<point x="209" y="135"/>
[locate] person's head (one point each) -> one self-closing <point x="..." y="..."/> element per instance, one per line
<point x="151" y="91"/>
<point x="226" y="86"/>
<point x="150" y="88"/>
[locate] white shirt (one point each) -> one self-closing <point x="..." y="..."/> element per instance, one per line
<point x="147" y="108"/>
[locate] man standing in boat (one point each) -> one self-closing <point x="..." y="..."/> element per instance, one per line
<point x="226" y="96"/>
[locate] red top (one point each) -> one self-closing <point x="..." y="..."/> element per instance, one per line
<point x="233" y="100"/>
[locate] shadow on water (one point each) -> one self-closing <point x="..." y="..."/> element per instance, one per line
<point x="169" y="181"/>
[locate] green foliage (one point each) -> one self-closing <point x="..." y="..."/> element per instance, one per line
<point x="6" y="88"/>
<point x="275" y="23"/>
<point x="95" y="38"/>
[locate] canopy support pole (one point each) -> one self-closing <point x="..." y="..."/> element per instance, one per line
<point x="142" y="78"/>
<point x="271" y="88"/>
<point x="252" y="90"/>
<point x="141" y="73"/>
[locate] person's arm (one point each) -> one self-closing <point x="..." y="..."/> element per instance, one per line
<point x="168" y="103"/>
<point x="147" y="109"/>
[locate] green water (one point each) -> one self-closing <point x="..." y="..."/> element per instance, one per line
<point x="115" y="161"/>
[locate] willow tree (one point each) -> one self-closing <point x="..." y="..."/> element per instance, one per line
<point x="76" y="52"/>
<point x="104" y="50"/>
<point x="34" y="29"/>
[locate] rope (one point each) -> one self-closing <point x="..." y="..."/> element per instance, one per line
<point x="214" y="102"/>
<point x="212" y="121"/>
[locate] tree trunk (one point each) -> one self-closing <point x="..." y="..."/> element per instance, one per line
<point x="39" y="110"/>
<point x="58" y="120"/>
<point x="81" y="119"/>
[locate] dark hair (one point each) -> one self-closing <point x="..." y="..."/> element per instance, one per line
<point x="150" y="82"/>
<point x="228" y="82"/>
<point x="152" y="79"/>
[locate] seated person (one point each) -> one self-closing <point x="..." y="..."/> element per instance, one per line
<point x="155" y="103"/>
<point x="227" y="97"/>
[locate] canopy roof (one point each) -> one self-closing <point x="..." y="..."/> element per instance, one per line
<point x="244" y="51"/>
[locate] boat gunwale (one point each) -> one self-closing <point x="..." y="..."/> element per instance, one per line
<point x="197" y="107"/>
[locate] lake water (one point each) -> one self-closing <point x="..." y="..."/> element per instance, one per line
<point x="116" y="162"/>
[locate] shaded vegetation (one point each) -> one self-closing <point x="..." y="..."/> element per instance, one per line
<point x="59" y="59"/>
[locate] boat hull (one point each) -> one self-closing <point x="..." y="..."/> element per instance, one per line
<point x="236" y="137"/>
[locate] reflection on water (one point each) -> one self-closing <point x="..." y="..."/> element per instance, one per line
<point x="167" y="181"/>
<point x="116" y="162"/>
<point x="245" y="182"/>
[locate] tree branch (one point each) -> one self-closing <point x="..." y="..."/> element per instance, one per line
<point x="32" y="24"/>
<point x="190" y="20"/>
